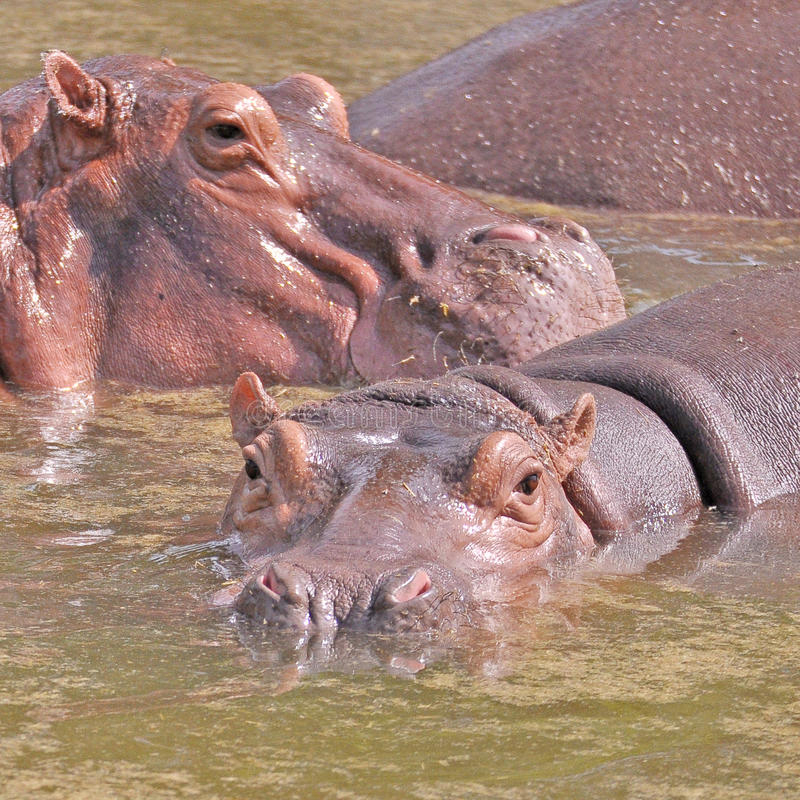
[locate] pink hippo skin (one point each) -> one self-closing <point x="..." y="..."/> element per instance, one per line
<point x="160" y="227"/>
<point x="646" y="105"/>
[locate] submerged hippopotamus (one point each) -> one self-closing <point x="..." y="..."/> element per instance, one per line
<point x="647" y="106"/>
<point x="160" y="227"/>
<point x="407" y="504"/>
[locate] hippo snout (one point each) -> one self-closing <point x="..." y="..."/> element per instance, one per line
<point x="406" y="599"/>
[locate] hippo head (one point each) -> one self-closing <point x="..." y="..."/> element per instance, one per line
<point x="161" y="227"/>
<point x="403" y="506"/>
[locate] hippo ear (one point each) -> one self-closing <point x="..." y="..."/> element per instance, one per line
<point x="311" y="99"/>
<point x="77" y="96"/>
<point x="252" y="409"/>
<point x="572" y="435"/>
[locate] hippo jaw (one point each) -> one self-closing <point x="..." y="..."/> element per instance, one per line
<point x="360" y="519"/>
<point x="472" y="288"/>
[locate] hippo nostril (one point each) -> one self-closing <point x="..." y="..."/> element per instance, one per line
<point x="283" y="582"/>
<point x="419" y="583"/>
<point x="404" y="588"/>
<point x="270" y="582"/>
<point x="510" y="233"/>
<point x="564" y="226"/>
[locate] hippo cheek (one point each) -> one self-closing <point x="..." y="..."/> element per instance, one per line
<point x="436" y="318"/>
<point x="408" y="337"/>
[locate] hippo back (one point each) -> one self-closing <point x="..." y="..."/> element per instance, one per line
<point x="721" y="367"/>
<point x="665" y="104"/>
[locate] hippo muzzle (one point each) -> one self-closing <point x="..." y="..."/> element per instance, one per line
<point x="405" y="599"/>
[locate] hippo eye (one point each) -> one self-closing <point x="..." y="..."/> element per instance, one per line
<point x="251" y="468"/>
<point x="528" y="484"/>
<point x="226" y="131"/>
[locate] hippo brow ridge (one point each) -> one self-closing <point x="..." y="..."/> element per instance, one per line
<point x="461" y="394"/>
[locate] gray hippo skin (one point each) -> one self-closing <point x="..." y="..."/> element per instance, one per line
<point x="160" y="227"/>
<point x="646" y="105"/>
<point x="407" y="504"/>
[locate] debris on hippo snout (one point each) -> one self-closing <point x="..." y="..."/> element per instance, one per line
<point x="487" y="279"/>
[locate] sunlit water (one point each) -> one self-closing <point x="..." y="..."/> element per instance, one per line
<point x="117" y="678"/>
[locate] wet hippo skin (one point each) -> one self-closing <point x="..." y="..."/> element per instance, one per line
<point x="159" y="227"/>
<point x="646" y="105"/>
<point x="406" y="504"/>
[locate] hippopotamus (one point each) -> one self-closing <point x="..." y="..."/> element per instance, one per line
<point x="645" y="105"/>
<point x="411" y="504"/>
<point x="160" y="227"/>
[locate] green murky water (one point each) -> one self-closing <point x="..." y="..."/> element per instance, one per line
<point x="118" y="680"/>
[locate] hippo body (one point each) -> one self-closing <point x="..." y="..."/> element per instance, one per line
<point x="647" y="106"/>
<point x="160" y="227"/>
<point x="405" y="504"/>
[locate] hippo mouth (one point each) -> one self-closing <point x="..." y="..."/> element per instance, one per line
<point x="406" y="600"/>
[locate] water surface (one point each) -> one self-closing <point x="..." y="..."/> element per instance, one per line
<point x="117" y="679"/>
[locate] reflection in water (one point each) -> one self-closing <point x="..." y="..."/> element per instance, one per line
<point x="296" y="654"/>
<point x="755" y="555"/>
<point x="60" y="422"/>
<point x="84" y="538"/>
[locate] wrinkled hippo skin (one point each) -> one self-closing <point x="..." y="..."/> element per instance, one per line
<point x="160" y="227"/>
<point x="647" y="105"/>
<point x="408" y="504"/>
